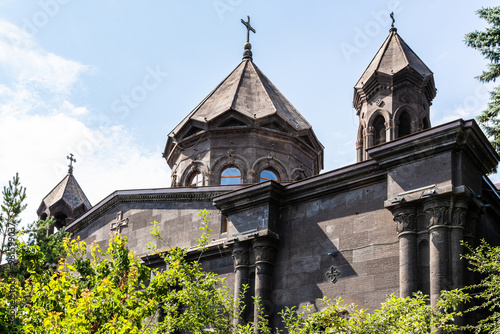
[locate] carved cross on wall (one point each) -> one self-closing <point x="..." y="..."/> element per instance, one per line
<point x="119" y="223"/>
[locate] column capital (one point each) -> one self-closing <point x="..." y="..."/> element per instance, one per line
<point x="240" y="252"/>
<point x="264" y="250"/>
<point x="405" y="218"/>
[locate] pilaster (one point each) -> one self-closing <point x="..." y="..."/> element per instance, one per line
<point x="240" y="252"/>
<point x="405" y="218"/>
<point x="264" y="250"/>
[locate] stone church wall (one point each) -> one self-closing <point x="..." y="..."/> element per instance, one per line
<point x="360" y="235"/>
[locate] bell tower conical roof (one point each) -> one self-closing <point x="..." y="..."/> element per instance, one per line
<point x="393" y="95"/>
<point x="66" y="201"/>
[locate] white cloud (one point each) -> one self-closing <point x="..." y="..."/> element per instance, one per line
<point x="462" y="113"/>
<point x="39" y="126"/>
<point x="35" y="78"/>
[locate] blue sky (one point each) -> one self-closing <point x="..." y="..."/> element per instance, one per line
<point x="108" y="80"/>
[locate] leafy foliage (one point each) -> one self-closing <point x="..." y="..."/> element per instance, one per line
<point x="396" y="315"/>
<point x="488" y="44"/>
<point x="485" y="259"/>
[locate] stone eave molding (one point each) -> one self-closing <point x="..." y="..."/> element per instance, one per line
<point x="147" y="195"/>
<point x="346" y="178"/>
<point x="250" y="197"/>
<point x="459" y="135"/>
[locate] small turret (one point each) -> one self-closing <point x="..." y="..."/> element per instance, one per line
<point x="393" y="96"/>
<point x="66" y="201"/>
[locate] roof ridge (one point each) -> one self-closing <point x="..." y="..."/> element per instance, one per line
<point x="235" y="97"/>
<point x="57" y="186"/>
<point x="261" y="74"/>
<point x="416" y="55"/>
<point x="264" y="87"/>
<point x="184" y="120"/>
<point x="398" y="41"/>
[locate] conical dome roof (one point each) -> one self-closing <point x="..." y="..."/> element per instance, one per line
<point x="248" y="91"/>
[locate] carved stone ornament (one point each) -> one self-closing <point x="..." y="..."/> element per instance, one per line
<point x="332" y="274"/>
<point x="241" y="258"/>
<point x="264" y="254"/>
<point x="379" y="102"/>
<point x="404" y="99"/>
<point x="458" y="218"/>
<point x="405" y="222"/>
<point x="119" y="223"/>
<point x="437" y="216"/>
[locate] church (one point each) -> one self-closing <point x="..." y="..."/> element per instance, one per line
<point x="390" y="223"/>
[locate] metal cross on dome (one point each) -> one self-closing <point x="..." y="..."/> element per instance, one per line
<point x="71" y="160"/>
<point x="249" y="28"/>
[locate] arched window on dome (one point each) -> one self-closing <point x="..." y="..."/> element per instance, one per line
<point x="404" y="125"/>
<point x="196" y="180"/>
<point x="267" y="175"/>
<point x="379" y="128"/>
<point x="230" y="175"/>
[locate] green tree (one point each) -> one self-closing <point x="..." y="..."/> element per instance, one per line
<point x="485" y="259"/>
<point x="12" y="206"/>
<point x="488" y="44"/>
<point x="50" y="244"/>
<point x="97" y="291"/>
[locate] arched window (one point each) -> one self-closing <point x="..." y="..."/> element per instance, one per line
<point x="196" y="180"/>
<point x="379" y="127"/>
<point x="230" y="175"/>
<point x="268" y="174"/>
<point x="404" y="124"/>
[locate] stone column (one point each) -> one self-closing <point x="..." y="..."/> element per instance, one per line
<point x="368" y="140"/>
<point x="264" y="251"/>
<point x="456" y="248"/>
<point x="438" y="217"/>
<point x="470" y="239"/>
<point x="392" y="128"/>
<point x="359" y="150"/>
<point x="241" y="259"/>
<point x="405" y="218"/>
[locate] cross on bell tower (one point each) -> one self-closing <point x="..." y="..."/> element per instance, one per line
<point x="71" y="160"/>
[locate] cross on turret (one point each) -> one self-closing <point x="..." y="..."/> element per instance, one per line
<point x="71" y="160"/>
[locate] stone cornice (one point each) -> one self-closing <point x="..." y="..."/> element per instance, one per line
<point x="347" y="178"/>
<point x="253" y="196"/>
<point x="455" y="136"/>
<point x="213" y="251"/>
<point x="200" y="194"/>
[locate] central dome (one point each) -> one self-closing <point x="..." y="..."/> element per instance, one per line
<point x="247" y="125"/>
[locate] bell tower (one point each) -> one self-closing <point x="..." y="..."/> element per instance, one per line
<point x="393" y="96"/>
<point x="65" y="202"/>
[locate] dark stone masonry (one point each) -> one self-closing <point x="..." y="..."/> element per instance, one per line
<point x="391" y="223"/>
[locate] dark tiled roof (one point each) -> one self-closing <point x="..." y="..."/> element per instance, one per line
<point x="393" y="56"/>
<point x="248" y="91"/>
